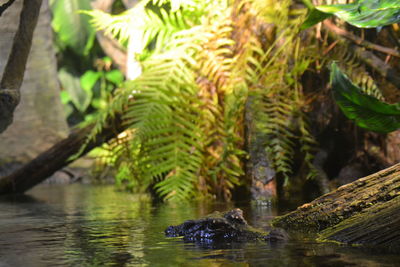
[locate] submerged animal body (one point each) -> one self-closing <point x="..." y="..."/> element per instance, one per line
<point x="227" y="227"/>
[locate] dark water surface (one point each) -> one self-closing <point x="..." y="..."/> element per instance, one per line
<point x="78" y="225"/>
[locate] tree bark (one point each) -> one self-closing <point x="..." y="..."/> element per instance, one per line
<point x="378" y="226"/>
<point x="366" y="211"/>
<point x="39" y="119"/>
<point x="14" y="70"/>
<point x="57" y="157"/>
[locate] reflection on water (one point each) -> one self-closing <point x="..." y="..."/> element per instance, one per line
<point x="78" y="225"/>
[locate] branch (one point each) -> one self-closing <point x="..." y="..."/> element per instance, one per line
<point x="389" y="73"/>
<point x="6" y="5"/>
<point x="57" y="157"/>
<point x="14" y="70"/>
<point x="374" y="62"/>
<point x="333" y="28"/>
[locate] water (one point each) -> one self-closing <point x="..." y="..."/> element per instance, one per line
<point x="78" y="225"/>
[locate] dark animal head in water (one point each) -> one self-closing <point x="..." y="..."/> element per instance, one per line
<point x="222" y="228"/>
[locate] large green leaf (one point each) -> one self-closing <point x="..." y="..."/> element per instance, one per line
<point x="114" y="76"/>
<point x="72" y="28"/>
<point x="89" y="79"/>
<point x="367" y="111"/>
<point x="315" y="16"/>
<point x="362" y="13"/>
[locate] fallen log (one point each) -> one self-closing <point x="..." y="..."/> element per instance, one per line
<point x="378" y="226"/>
<point x="365" y="212"/>
<point x="57" y="157"/>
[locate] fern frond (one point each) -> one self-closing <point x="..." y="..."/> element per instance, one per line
<point x="117" y="26"/>
<point x="275" y="80"/>
<point x="187" y="108"/>
<point x="361" y="78"/>
<point x="154" y="27"/>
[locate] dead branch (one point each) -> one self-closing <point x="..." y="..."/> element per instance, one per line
<point x="57" y="157"/>
<point x="359" y="41"/>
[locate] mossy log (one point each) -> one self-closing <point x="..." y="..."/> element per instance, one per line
<point x="365" y="212"/>
<point x="376" y="226"/>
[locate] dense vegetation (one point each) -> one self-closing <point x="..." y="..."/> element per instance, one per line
<point x="203" y="75"/>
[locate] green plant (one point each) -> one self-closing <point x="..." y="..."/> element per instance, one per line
<point x="72" y="29"/>
<point x="185" y="111"/>
<point x="367" y="111"/>
<point x="361" y="13"/>
<point x="90" y="92"/>
<point x="86" y="76"/>
<point x="278" y="92"/>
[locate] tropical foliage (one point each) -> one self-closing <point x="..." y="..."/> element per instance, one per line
<point x="367" y="111"/>
<point x="185" y="112"/>
<point x="360" y="13"/>
<point x="86" y="76"/>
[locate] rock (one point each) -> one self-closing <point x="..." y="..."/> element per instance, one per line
<point x="221" y="228"/>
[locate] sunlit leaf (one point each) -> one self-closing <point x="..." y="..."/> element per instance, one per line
<point x="115" y="76"/>
<point x="89" y="79"/>
<point x="362" y="13"/>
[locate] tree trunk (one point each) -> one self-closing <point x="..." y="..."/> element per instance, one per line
<point x="366" y="211"/>
<point x="16" y="30"/>
<point x="258" y="167"/>
<point x="39" y="121"/>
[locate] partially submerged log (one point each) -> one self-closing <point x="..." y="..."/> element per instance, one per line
<point x="57" y="157"/>
<point x="376" y="226"/>
<point x="365" y="212"/>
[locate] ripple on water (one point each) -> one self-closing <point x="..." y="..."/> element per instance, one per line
<point x="79" y="225"/>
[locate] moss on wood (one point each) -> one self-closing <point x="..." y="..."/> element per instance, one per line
<point x="378" y="225"/>
<point x="365" y="212"/>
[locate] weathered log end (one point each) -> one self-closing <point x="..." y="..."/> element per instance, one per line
<point x="378" y="226"/>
